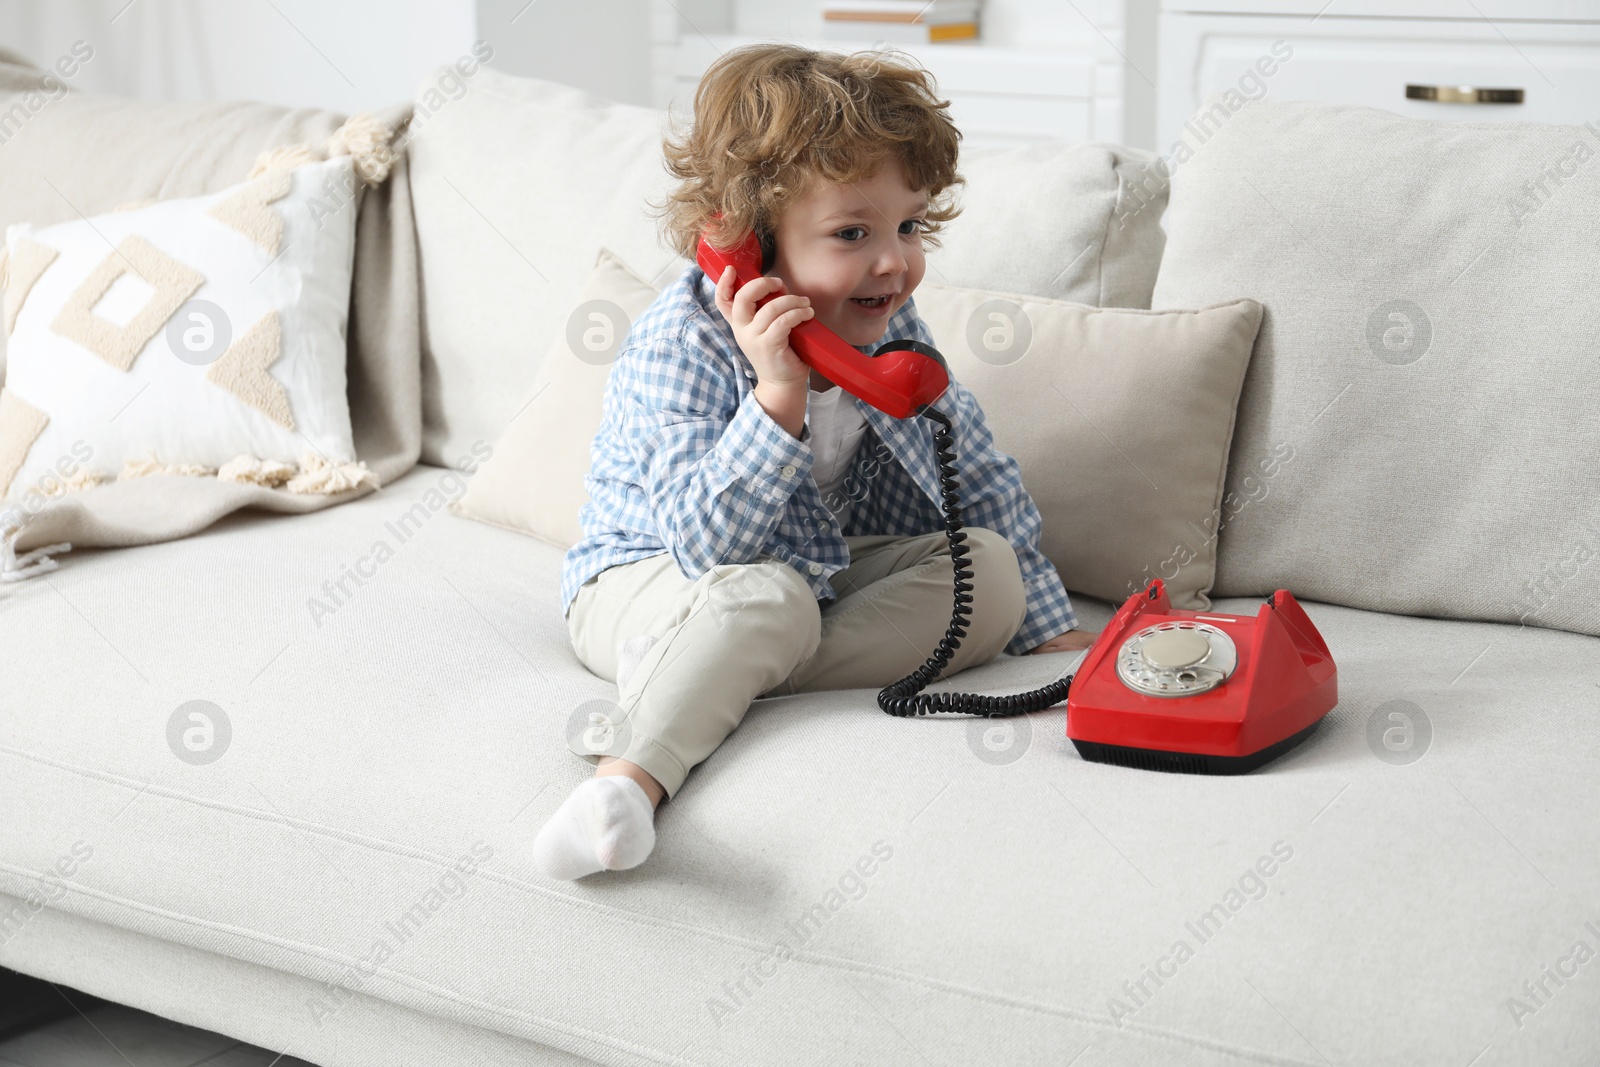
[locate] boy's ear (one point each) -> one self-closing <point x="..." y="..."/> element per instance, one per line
<point x="769" y="250"/>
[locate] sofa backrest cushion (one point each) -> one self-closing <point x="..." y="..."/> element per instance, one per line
<point x="1076" y="222"/>
<point x="1432" y="295"/>
<point x="519" y="182"/>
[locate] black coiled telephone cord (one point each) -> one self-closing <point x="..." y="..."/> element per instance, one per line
<point x="905" y="697"/>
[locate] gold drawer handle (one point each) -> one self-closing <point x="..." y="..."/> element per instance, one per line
<point x="1463" y="94"/>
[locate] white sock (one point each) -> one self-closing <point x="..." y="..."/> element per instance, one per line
<point x="629" y="655"/>
<point x="607" y="824"/>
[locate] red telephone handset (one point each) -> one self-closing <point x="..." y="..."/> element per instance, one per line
<point x="901" y="378"/>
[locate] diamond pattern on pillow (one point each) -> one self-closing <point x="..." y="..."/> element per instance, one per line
<point x="29" y="261"/>
<point x="20" y="425"/>
<point x="242" y="371"/>
<point x="119" y="346"/>
<point x="247" y="211"/>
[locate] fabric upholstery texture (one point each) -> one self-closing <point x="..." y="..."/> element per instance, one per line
<point x="534" y="481"/>
<point x="423" y="721"/>
<point x="509" y="238"/>
<point x="1121" y="420"/>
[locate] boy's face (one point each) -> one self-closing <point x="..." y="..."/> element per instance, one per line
<point x="841" y="241"/>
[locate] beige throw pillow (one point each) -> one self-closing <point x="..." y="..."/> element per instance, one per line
<point x="1120" y="420"/>
<point x="534" y="482"/>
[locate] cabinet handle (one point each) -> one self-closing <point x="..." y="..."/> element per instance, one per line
<point x="1463" y="94"/>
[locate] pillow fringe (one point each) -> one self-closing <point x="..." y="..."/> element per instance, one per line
<point x="366" y="139"/>
<point x="312" y="475"/>
<point x="142" y="468"/>
<point x="271" y="473"/>
<point x="284" y="157"/>
<point x="318" y="475"/>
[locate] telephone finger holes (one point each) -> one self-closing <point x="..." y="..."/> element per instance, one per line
<point x="1172" y="659"/>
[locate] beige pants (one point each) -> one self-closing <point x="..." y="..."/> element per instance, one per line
<point x="746" y="630"/>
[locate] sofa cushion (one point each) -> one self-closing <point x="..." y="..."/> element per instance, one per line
<point x="534" y="483"/>
<point x="518" y="184"/>
<point x="1120" y="419"/>
<point x="1068" y="390"/>
<point x="1432" y="295"/>
<point x="1078" y="222"/>
<point x="970" y="886"/>
<point x="520" y="181"/>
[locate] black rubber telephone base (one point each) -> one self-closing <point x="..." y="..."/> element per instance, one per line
<point x="1154" y="759"/>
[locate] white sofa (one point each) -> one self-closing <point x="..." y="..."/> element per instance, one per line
<point x="351" y="883"/>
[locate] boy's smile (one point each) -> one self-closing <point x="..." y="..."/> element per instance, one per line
<point x="840" y="244"/>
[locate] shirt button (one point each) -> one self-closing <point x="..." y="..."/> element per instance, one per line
<point x="816" y="568"/>
<point x="788" y="470"/>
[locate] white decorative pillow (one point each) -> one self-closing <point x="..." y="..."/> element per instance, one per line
<point x="195" y="336"/>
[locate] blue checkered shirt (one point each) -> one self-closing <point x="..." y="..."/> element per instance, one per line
<point x="687" y="461"/>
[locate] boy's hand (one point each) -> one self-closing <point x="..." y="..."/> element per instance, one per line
<point x="1071" y="641"/>
<point x="764" y="334"/>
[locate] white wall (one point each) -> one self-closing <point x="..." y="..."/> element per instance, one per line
<point x="1121" y="35"/>
<point x="347" y="55"/>
<point x="601" y="46"/>
<point x="352" y="55"/>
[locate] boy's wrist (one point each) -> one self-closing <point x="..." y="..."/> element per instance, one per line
<point x="784" y="390"/>
<point x="785" y="402"/>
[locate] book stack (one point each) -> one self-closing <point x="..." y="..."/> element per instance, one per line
<point x="900" y="21"/>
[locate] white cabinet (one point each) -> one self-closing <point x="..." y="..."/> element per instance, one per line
<point x="1542" y="65"/>
<point x="1042" y="73"/>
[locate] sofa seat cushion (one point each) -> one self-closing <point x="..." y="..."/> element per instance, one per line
<point x="833" y="884"/>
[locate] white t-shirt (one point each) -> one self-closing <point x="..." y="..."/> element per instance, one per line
<point x="834" y="429"/>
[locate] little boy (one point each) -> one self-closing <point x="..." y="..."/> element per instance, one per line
<point x="753" y="530"/>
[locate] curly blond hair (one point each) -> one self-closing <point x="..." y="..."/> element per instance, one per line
<point x="770" y="120"/>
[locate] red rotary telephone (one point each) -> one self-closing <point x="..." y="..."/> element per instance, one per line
<point x="1162" y="688"/>
<point x="1199" y="691"/>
